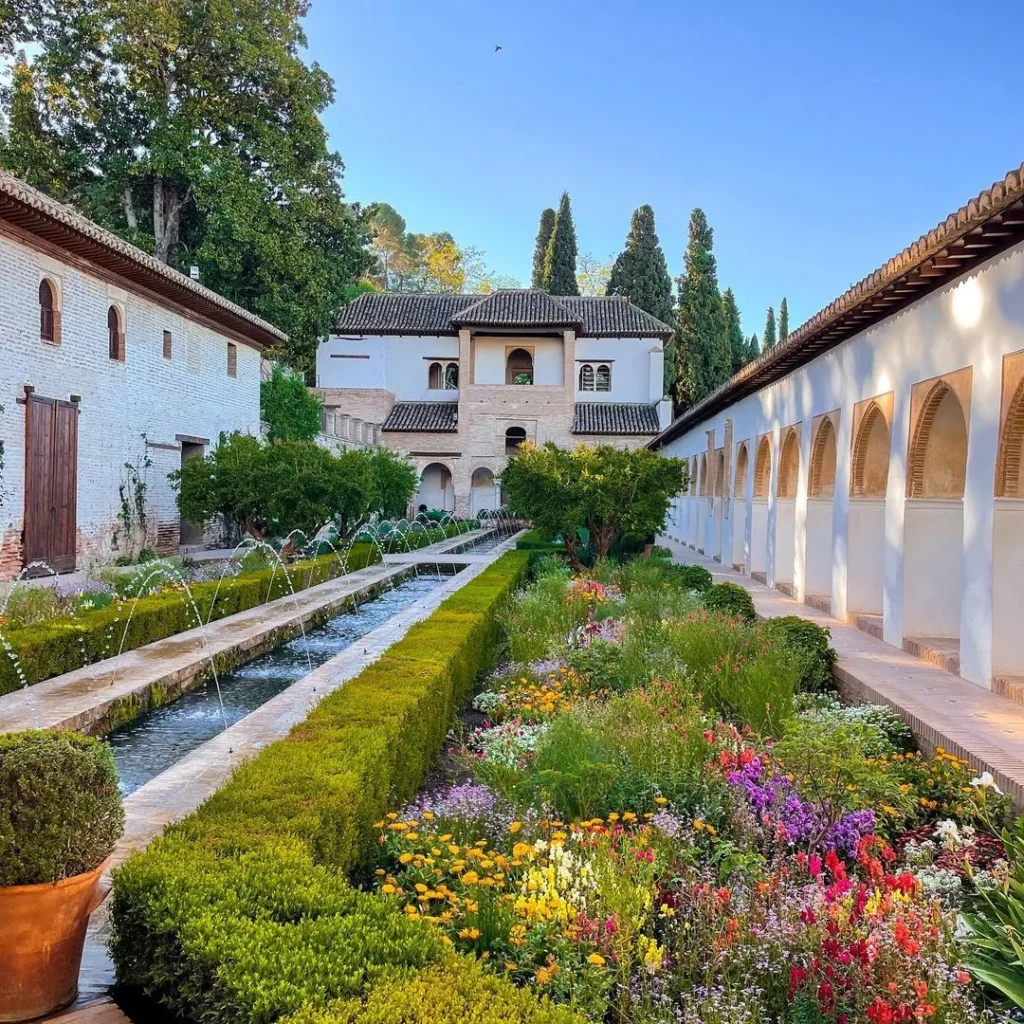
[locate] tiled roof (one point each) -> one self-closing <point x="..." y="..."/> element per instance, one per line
<point x="519" y="307"/>
<point x="39" y="215"/>
<point x="423" y="417"/>
<point x="989" y="224"/>
<point x="593" y="316"/>
<point x="615" y="418"/>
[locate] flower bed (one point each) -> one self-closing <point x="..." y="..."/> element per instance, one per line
<point x="242" y="912"/>
<point x="67" y="642"/>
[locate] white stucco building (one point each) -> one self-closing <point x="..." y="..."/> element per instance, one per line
<point x="107" y="358"/>
<point x="873" y="463"/>
<point x="460" y="380"/>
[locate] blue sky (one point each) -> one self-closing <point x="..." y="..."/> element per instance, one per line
<point x="820" y="138"/>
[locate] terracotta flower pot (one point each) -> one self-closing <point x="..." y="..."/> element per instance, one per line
<point x="42" y="932"/>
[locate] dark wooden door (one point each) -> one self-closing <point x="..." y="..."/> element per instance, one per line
<point x="51" y="482"/>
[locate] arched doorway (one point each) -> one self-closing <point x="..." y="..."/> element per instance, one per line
<point x="785" y="506"/>
<point x="869" y="482"/>
<point x="934" y="519"/>
<point x="821" y="492"/>
<point x="718" y="506"/>
<point x="483" y="493"/>
<point x="739" y="509"/>
<point x="519" y="367"/>
<point x="759" y="509"/>
<point x="436" y="490"/>
<point x="703" y="505"/>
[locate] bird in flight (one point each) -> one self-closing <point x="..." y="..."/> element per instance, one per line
<point x="497" y="48"/>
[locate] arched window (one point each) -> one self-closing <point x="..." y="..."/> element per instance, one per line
<point x="435" y="377"/>
<point x="871" y="455"/>
<point x="763" y="468"/>
<point x="49" y="315"/>
<point x="519" y="367"/>
<point x="1010" y="468"/>
<point x="789" y="464"/>
<point x="604" y="377"/>
<point x="740" y="487"/>
<point x="586" y="377"/>
<point x="514" y="437"/>
<point x="938" y="455"/>
<point x="115" y="334"/>
<point x="719" y="474"/>
<point x="702" y="483"/>
<point x="823" y="461"/>
<point x="451" y="377"/>
<point x="693" y="475"/>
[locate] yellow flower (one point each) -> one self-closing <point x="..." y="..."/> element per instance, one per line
<point x="698" y="824"/>
<point x="388" y="890"/>
<point x="660" y="801"/>
<point x="596" y="959"/>
<point x="405" y="858"/>
<point x="470" y="878"/>
<point x="515" y="827"/>
<point x="469" y="933"/>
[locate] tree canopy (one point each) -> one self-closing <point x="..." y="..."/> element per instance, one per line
<point x="290" y="410"/>
<point x="737" y="343"/>
<point x="769" y="330"/>
<point x="783" y="320"/>
<point x="640" y="271"/>
<point x="540" y="248"/>
<point x="192" y="129"/>
<point x="610" y="492"/>
<point x="560" y="258"/>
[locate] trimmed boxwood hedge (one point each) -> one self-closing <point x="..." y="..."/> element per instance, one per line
<point x="48" y="649"/>
<point x="241" y="911"/>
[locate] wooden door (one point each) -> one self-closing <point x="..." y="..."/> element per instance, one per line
<point x="51" y="482"/>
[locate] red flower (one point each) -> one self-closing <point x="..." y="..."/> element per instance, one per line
<point x="879" y="1012"/>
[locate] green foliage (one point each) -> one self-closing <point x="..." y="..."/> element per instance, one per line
<point x="393" y="480"/>
<point x="290" y="410"/>
<point x="456" y="991"/>
<point x="753" y="348"/>
<point x="811" y="643"/>
<point x="730" y="599"/>
<point x="640" y="271"/>
<point x="886" y="733"/>
<point x="540" y="249"/>
<point x="703" y="352"/>
<point x="240" y="912"/>
<point x="692" y="577"/>
<point x="560" y="258"/>
<point x="783" y="320"/>
<point x="28" y="605"/>
<point x="769" y="330"/>
<point x="539" y="540"/>
<point x="49" y="648"/>
<point x="117" y="118"/>
<point x="610" y="492"/>
<point x="734" y="331"/>
<point x="541" y="618"/>
<point x="60" y="808"/>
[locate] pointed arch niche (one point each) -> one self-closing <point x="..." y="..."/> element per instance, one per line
<point x="718" y="505"/>
<point x="869" y="480"/>
<point x="785" y="504"/>
<point x="704" y="504"/>
<point x="820" y="494"/>
<point x="940" y="414"/>
<point x="1008" y="529"/>
<point x="759" y="508"/>
<point x="739" y="507"/>
<point x="692" y="506"/>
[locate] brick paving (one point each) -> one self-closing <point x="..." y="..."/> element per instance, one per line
<point x="943" y="709"/>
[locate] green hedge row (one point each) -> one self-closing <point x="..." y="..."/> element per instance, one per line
<point x="538" y="540"/>
<point x="48" y="649"/>
<point x="241" y="912"/>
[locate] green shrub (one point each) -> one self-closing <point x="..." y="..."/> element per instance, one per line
<point x="538" y="540"/>
<point x="49" y="648"/>
<point x="730" y="599"/>
<point x="692" y="577"/>
<point x="60" y="808"/>
<point x="542" y="618"/>
<point x="457" y="991"/>
<point x="221" y="918"/>
<point x="810" y="642"/>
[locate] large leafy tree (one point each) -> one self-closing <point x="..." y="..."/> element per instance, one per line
<point x="640" y="271"/>
<point x="703" y="354"/>
<point x="192" y="128"/>
<point x="753" y="348"/>
<point x="783" y="320"/>
<point x="737" y="342"/>
<point x="560" y="258"/>
<point x="291" y="411"/>
<point x="540" y="248"/>
<point x="769" y="330"/>
<point x="610" y="492"/>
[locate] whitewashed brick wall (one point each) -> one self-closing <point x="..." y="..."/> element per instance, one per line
<point x="190" y="394"/>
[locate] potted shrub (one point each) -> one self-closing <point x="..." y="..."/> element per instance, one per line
<point x="60" y="816"/>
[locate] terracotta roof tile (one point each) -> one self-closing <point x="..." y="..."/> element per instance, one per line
<point x="423" y="417"/>
<point x="615" y="418"/>
<point x="518" y="307"/>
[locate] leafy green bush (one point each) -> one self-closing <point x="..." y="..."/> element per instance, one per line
<point x="226" y="917"/>
<point x="886" y="732"/>
<point x="60" y="808"/>
<point x="457" y="991"/>
<point x="811" y="642"/>
<point x="49" y="648"/>
<point x="730" y="599"/>
<point x="542" y="618"/>
<point x="692" y="577"/>
<point x="539" y="540"/>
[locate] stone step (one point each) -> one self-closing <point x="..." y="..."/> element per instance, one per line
<point x="870" y="624"/>
<point x="941" y="651"/>
<point x="1011" y="687"/>
<point x="787" y="588"/>
<point x="821" y="602"/>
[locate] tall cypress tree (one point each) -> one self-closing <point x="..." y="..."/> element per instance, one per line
<point x="640" y="271"/>
<point x="560" y="259"/>
<point x="540" y="249"/>
<point x="783" y="320"/>
<point x="737" y="343"/>
<point x="769" y="330"/>
<point x="703" y="353"/>
<point x="753" y="348"/>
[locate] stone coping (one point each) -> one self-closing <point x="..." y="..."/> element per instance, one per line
<point x="943" y="710"/>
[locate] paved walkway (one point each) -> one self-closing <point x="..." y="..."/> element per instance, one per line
<point x="82" y="700"/>
<point x="943" y="709"/>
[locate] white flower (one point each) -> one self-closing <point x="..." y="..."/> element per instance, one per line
<point x="985" y="781"/>
<point x="949" y="833"/>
